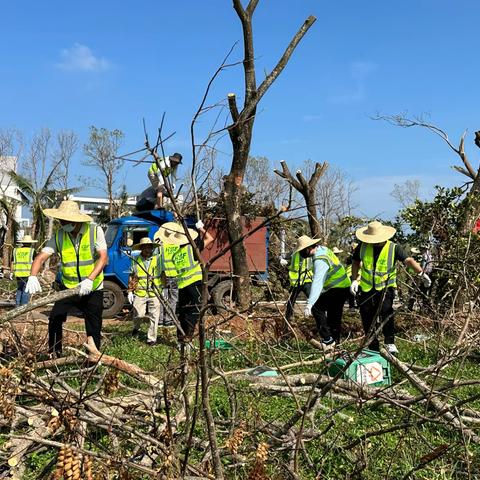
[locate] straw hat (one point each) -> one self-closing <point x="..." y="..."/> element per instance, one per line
<point x="27" y="239"/>
<point x="415" y="250"/>
<point x="336" y="250"/>
<point x="305" y="241"/>
<point x="68" y="210"/>
<point x="144" y="242"/>
<point x="375" y="232"/>
<point x="174" y="234"/>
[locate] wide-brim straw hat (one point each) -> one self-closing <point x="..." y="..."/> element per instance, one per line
<point x="144" y="242"/>
<point x="304" y="242"/>
<point x="336" y="250"/>
<point x="375" y="232"/>
<point x="68" y="210"/>
<point x="174" y="234"/>
<point x="27" y="239"/>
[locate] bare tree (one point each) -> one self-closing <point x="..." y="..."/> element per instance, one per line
<point x="67" y="146"/>
<point x="102" y="154"/>
<point x="473" y="195"/>
<point x="307" y="190"/>
<point x="241" y="136"/>
<point x="407" y="193"/>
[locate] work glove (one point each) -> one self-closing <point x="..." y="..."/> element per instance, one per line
<point x="199" y="225"/>
<point x="427" y="283"/>
<point x="131" y="297"/>
<point x="86" y="287"/>
<point x="354" y="287"/>
<point x="33" y="285"/>
<point x="283" y="262"/>
<point x="308" y="310"/>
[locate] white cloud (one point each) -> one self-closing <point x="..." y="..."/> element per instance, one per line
<point x="81" y="58"/>
<point x="359" y="72"/>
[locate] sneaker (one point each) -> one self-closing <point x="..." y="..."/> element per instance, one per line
<point x="151" y="343"/>
<point x="328" y="344"/>
<point x="391" y="348"/>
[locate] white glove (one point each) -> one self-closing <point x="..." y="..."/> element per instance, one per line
<point x="283" y="262"/>
<point x="131" y="297"/>
<point x="308" y="310"/>
<point x="86" y="287"/>
<point x="199" y="225"/>
<point x="33" y="285"/>
<point x="354" y="287"/>
<point x="427" y="283"/>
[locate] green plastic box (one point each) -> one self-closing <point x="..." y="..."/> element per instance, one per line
<point x="218" y="344"/>
<point x="368" y="369"/>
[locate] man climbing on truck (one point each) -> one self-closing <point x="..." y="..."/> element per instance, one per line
<point x="163" y="171"/>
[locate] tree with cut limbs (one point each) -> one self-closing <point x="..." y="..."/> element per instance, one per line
<point x="101" y="152"/>
<point x="307" y="190"/>
<point x="241" y="136"/>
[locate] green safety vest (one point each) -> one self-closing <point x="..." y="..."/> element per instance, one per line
<point x="188" y="269"/>
<point x="336" y="275"/>
<point x="154" y="170"/>
<point x="300" y="270"/>
<point x="168" y="252"/>
<point x="22" y="261"/>
<point x="385" y="273"/>
<point x="77" y="266"/>
<point x="349" y="271"/>
<point x="149" y="279"/>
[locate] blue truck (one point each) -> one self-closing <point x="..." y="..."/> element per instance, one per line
<point x="124" y="232"/>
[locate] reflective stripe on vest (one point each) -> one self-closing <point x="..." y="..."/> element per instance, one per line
<point x="154" y="170"/>
<point x="300" y="270"/>
<point x="385" y="274"/>
<point x="77" y="266"/>
<point x="168" y="251"/>
<point x="189" y="269"/>
<point x="336" y="275"/>
<point x="22" y="261"/>
<point x="149" y="280"/>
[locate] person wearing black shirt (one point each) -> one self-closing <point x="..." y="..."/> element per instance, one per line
<point x="375" y="258"/>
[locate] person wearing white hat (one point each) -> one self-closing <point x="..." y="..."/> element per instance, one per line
<point x="330" y="287"/>
<point x="158" y="172"/>
<point x="375" y="258"/>
<point x="22" y="263"/>
<point x="145" y="288"/>
<point x="82" y="249"/>
<point x="189" y="272"/>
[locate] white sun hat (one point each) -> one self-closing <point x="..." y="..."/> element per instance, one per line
<point x="375" y="232"/>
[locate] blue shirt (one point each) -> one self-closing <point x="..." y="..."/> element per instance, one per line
<point x="320" y="270"/>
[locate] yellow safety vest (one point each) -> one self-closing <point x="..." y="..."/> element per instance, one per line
<point x="168" y="252"/>
<point x="189" y="269"/>
<point x="78" y="265"/>
<point x="22" y="261"/>
<point x="336" y="275"/>
<point x="385" y="273"/>
<point x="149" y="278"/>
<point x="300" y="270"/>
<point x="154" y="169"/>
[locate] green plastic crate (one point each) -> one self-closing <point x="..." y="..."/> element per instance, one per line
<point x="368" y="369"/>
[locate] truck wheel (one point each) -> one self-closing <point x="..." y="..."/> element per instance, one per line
<point x="222" y="295"/>
<point x="113" y="299"/>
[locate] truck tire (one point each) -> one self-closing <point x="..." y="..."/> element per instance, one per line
<point x="113" y="299"/>
<point x="222" y="294"/>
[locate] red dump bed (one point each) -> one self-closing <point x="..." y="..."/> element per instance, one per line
<point x="255" y="244"/>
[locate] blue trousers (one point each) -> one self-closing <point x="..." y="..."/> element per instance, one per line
<point x="21" y="297"/>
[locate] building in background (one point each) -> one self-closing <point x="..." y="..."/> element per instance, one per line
<point x="91" y="205"/>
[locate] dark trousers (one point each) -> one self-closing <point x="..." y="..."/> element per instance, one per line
<point x="90" y="305"/>
<point x="292" y="297"/>
<point x="328" y="311"/>
<point x="378" y="304"/>
<point x="21" y="297"/>
<point x="189" y="301"/>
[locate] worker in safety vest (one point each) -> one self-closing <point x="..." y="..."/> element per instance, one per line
<point x="145" y="288"/>
<point x="300" y="275"/>
<point x="170" y="291"/>
<point x="163" y="171"/>
<point x="22" y="263"/>
<point x="189" y="272"/>
<point x="375" y="258"/>
<point x="352" y="303"/>
<point x="82" y="249"/>
<point x="330" y="287"/>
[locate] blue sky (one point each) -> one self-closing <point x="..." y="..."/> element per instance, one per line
<point x="69" y="65"/>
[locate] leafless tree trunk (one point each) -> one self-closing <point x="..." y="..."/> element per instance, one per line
<point x="307" y="189"/>
<point x="241" y="135"/>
